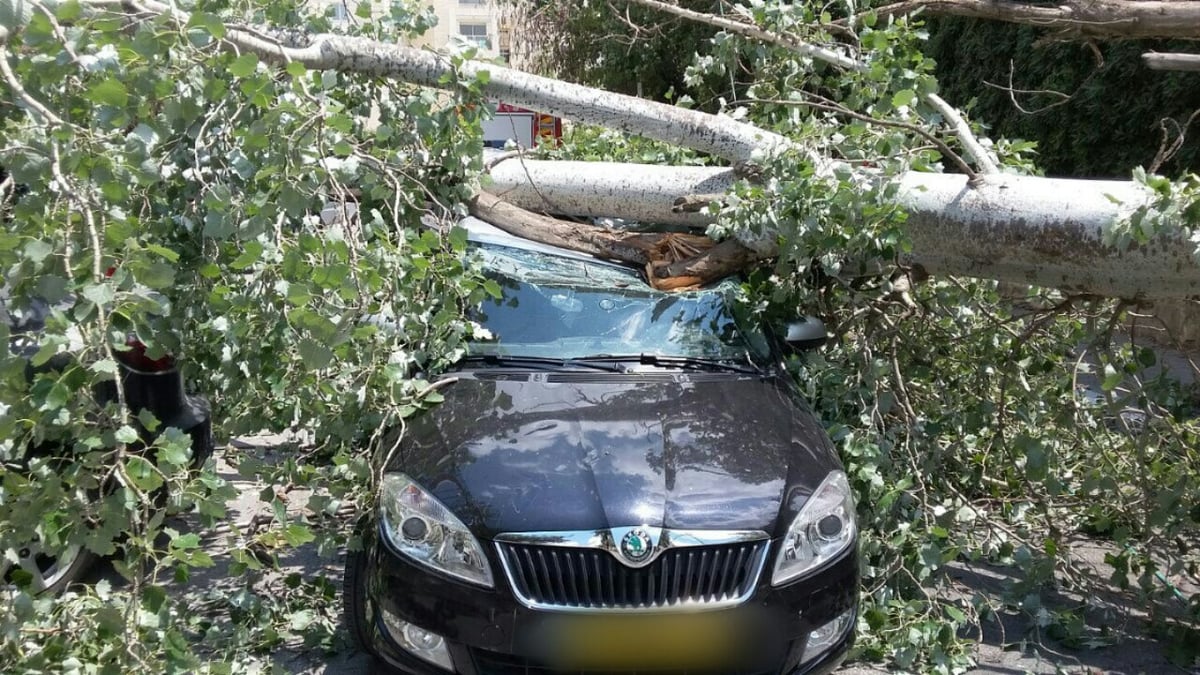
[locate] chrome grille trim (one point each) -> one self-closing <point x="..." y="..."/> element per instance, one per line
<point x="584" y="571"/>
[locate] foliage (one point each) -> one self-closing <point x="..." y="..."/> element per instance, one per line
<point x="980" y="429"/>
<point x="263" y="225"/>
<point x="1175" y="208"/>
<point x="619" y="47"/>
<point x="1084" y="135"/>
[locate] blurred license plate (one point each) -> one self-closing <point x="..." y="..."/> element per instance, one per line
<point x="706" y="641"/>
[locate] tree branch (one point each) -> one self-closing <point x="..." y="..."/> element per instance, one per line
<point x="720" y="136"/>
<point x="1186" y="62"/>
<point x="825" y="54"/>
<point x="1073" y="18"/>
<point x="673" y="261"/>
<point x="975" y="150"/>
<point x="15" y="84"/>
<point x="836" y="108"/>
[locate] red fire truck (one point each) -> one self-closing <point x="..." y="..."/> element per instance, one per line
<point x="527" y="128"/>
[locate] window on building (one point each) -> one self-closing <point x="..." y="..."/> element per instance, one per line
<point x="341" y="14"/>
<point x="477" y="33"/>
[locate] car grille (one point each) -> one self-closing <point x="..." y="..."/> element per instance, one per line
<point x="548" y="577"/>
<point x="492" y="663"/>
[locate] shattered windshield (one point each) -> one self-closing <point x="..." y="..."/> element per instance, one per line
<point x="560" y="307"/>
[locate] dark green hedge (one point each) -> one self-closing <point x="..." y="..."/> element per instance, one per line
<point x="1112" y="123"/>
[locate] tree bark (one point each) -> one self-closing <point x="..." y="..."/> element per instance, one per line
<point x="1025" y="230"/>
<point x="673" y="261"/>
<point x="720" y="136"/>
<point x="983" y="158"/>
<point x="641" y="192"/>
<point x="1190" y="62"/>
<point x="1078" y="19"/>
<point x="1040" y="231"/>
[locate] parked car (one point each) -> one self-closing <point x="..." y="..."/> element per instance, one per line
<point x="620" y="480"/>
<point x="151" y="384"/>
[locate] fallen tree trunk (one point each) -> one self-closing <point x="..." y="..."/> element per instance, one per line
<point x="640" y="192"/>
<point x="673" y="260"/>
<point x="720" y="136"/>
<point x="1023" y="230"/>
<point x="1080" y="19"/>
<point x="1026" y="230"/>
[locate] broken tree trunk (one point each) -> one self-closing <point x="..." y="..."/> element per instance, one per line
<point x="1024" y="230"/>
<point x="720" y="136"/>
<point x="673" y="261"/>
<point x="1019" y="229"/>
<point x="1080" y="19"/>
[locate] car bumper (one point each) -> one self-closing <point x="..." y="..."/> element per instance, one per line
<point x="488" y="632"/>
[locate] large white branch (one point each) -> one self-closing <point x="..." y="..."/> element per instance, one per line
<point x="1156" y="61"/>
<point x="1073" y="18"/>
<point x="720" y="136"/>
<point x="1025" y="230"/>
<point x="639" y="192"/>
<point x="1028" y="230"/>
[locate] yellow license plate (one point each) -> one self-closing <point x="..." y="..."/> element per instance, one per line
<point x="706" y="641"/>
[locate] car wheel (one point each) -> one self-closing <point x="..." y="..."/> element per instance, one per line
<point x="357" y="609"/>
<point x="359" y="614"/>
<point x="43" y="571"/>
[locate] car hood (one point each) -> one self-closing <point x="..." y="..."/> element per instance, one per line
<point x="520" y="452"/>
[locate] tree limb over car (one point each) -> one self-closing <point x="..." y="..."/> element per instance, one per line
<point x="1026" y="230"/>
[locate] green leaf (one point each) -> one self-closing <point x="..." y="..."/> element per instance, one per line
<point x="297" y="534"/>
<point x="210" y="22"/>
<point x="314" y="354"/>
<point x="244" y="65"/>
<point x="171" y="256"/>
<point x="157" y="275"/>
<point x="249" y="256"/>
<point x="185" y="541"/>
<point x="143" y="474"/>
<point x="1112" y="378"/>
<point x="109" y="92"/>
<point x="37" y="250"/>
<point x="48" y="349"/>
<point x="903" y="98"/>
<point x="296" y="69"/>
<point x="458" y="238"/>
<point x="69" y="11"/>
<point x="126" y="434"/>
<point x="100" y="294"/>
<point x="148" y="420"/>
<point x="174" y="456"/>
<point x="52" y="288"/>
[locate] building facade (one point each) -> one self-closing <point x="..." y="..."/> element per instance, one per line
<point x="472" y="21"/>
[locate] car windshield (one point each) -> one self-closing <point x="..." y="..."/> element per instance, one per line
<point x="555" y="306"/>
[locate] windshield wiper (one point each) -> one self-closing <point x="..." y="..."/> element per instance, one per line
<point x="540" y="362"/>
<point x="685" y="362"/>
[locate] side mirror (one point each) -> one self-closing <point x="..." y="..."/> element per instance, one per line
<point x="807" y="333"/>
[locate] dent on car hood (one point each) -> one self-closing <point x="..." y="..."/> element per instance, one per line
<point x="517" y="452"/>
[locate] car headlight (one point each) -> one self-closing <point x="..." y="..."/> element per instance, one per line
<point x="823" y="529"/>
<point x="422" y="528"/>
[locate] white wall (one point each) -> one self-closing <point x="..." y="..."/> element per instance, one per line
<point x="452" y="15"/>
